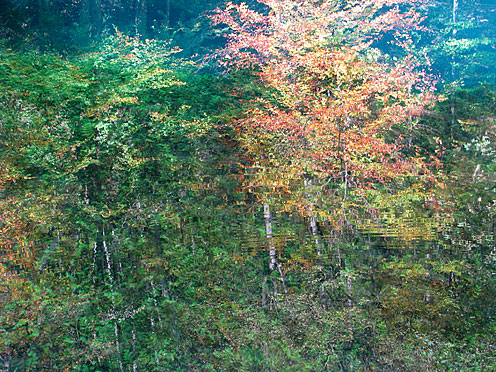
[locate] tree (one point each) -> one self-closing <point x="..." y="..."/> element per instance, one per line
<point x="340" y="109"/>
<point x="461" y="42"/>
<point x="340" y="94"/>
<point x="91" y="149"/>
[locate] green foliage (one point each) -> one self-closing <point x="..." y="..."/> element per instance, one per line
<point x="131" y="235"/>
<point x="461" y="42"/>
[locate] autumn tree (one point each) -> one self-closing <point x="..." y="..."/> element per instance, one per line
<point x="342" y="93"/>
<point x="342" y="105"/>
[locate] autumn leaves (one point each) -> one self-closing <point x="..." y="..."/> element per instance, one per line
<point x="339" y="107"/>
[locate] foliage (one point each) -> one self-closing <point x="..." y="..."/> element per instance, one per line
<point x="131" y="232"/>
<point x="341" y="110"/>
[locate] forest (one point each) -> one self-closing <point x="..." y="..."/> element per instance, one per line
<point x="269" y="185"/>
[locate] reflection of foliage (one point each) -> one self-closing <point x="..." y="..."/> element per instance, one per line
<point x="91" y="149"/>
<point x="131" y="235"/>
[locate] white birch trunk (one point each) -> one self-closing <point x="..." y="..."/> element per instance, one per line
<point x="268" y="234"/>
<point x="93" y="265"/>
<point x="350" y="290"/>
<point x="455" y="11"/>
<point x="272" y="249"/>
<point x="264" y="292"/>
<point x="114" y="313"/>
<point x="135" y="365"/>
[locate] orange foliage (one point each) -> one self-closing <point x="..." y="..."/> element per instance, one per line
<point x="341" y="106"/>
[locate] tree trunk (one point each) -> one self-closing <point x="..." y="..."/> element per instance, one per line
<point x="98" y="16"/>
<point x="268" y="235"/>
<point x="453" y="70"/>
<point x="91" y="17"/>
<point x="264" y="292"/>
<point x="140" y="18"/>
<point x="133" y="343"/>
<point x="313" y="221"/>
<point x="43" y="6"/>
<point x="455" y="11"/>
<point x="167" y="14"/>
<point x="93" y="264"/>
<point x="349" y="287"/>
<point x="272" y="249"/>
<point x="113" y="309"/>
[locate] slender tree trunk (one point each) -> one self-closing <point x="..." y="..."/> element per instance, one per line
<point x="85" y="22"/>
<point x="313" y="221"/>
<point x="315" y="231"/>
<point x="107" y="260"/>
<point x="167" y="13"/>
<point x="455" y="11"/>
<point x="476" y="173"/>
<point x="272" y="249"/>
<point x="264" y="292"/>
<point x="113" y="309"/>
<point x="268" y="235"/>
<point x="453" y="70"/>
<point x="140" y="18"/>
<point x="135" y="365"/>
<point x="99" y="360"/>
<point x="345" y="181"/>
<point x="349" y="286"/>
<point x="98" y="16"/>
<point x="117" y="345"/>
<point x="117" y="255"/>
<point x="93" y="264"/>
<point x="43" y="6"/>
<point x="155" y="303"/>
<point x="91" y="18"/>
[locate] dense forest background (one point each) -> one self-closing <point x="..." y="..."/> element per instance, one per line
<point x="282" y="185"/>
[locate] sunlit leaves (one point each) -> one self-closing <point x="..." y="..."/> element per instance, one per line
<point x="339" y="109"/>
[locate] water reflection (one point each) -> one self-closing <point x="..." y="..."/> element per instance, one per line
<point x="317" y="235"/>
<point x="213" y="255"/>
